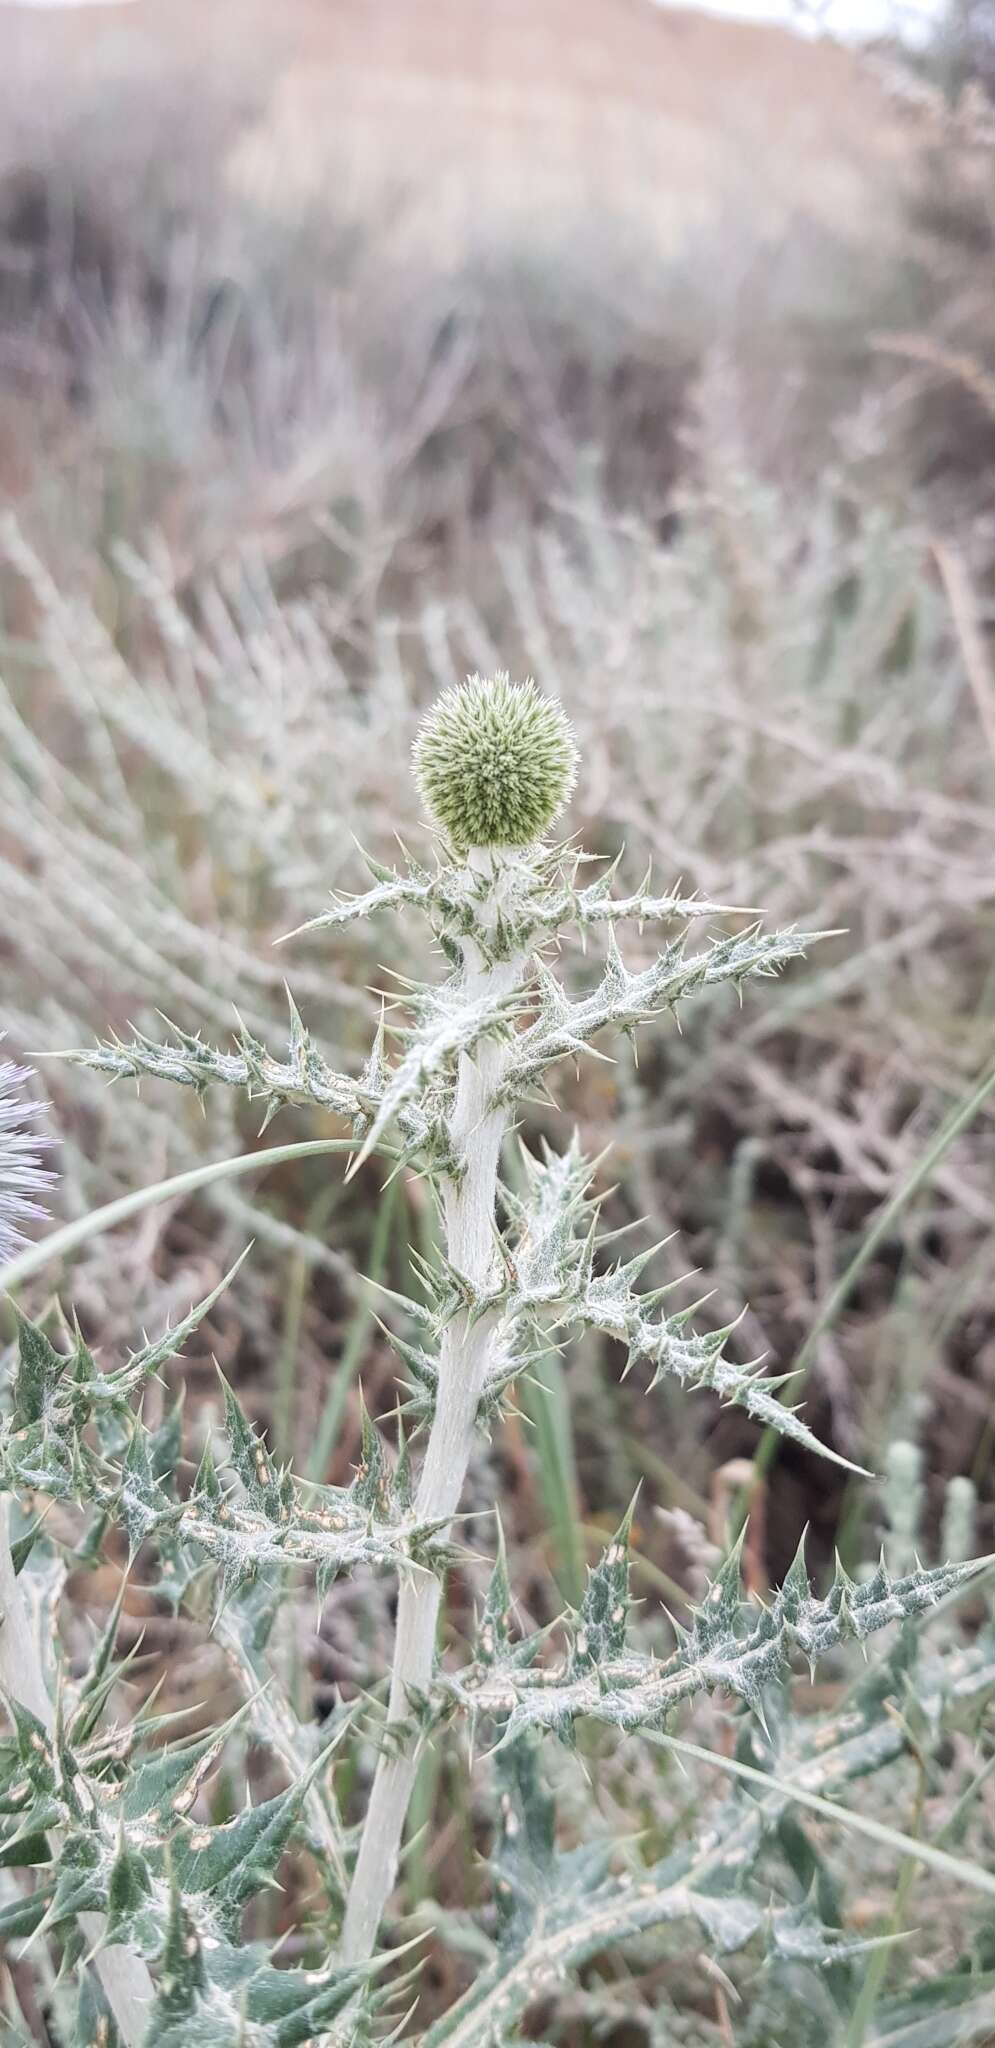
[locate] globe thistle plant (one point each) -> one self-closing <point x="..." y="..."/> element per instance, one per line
<point x="134" y="1877"/>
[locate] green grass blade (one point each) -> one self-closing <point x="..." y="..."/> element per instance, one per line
<point x="300" y="1267"/>
<point x="545" y="1400"/>
<point x="417" y="1865"/>
<point x="70" y="1235"/>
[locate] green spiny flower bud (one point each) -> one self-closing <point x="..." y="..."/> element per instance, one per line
<point x="494" y="762"/>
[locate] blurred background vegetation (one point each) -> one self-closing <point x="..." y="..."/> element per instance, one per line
<point x="346" y="349"/>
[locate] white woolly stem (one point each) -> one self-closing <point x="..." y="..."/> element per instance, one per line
<point x="469" y="1209"/>
<point x="126" y="1983"/>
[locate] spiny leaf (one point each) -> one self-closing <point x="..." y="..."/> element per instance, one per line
<point x="39" y="1370"/>
<point x="622" y="999"/>
<point x="99" y="1676"/>
<point x="601" y="1623"/>
<point x="225" y="1996"/>
<point x="729" y="1647"/>
<point x="94" y="2024"/>
<point x="305" y="1078"/>
<point x="523" y="1854"/>
<point x="711" y="1882"/>
<point x="250" y="1458"/>
<point x="183" y="1973"/>
<point x="494" y="1632"/>
<point x="233" y="1862"/>
<point x="129" y="1887"/>
<point x="372" y="1486"/>
<point x="391" y="891"/>
<point x="166" y="1784"/>
<point x="557" y="1283"/>
<point x="798" y="1935"/>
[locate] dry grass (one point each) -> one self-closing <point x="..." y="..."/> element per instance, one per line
<point x="778" y="715"/>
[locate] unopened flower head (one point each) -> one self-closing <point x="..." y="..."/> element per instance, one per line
<point x="22" y="1176"/>
<point x="495" y="762"/>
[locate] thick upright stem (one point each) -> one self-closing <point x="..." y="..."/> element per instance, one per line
<point x="469" y="1206"/>
<point x="126" y="1983"/>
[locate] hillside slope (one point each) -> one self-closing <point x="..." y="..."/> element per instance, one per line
<point x="499" y="114"/>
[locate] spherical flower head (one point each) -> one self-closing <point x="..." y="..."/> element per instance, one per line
<point x="495" y="762"/>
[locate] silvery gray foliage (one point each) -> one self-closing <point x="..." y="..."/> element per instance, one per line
<point x="112" y="1820"/>
<point x="729" y="1646"/>
<point x="751" y="1880"/>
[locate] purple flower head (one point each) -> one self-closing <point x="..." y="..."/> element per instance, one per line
<point x="22" y="1176"/>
